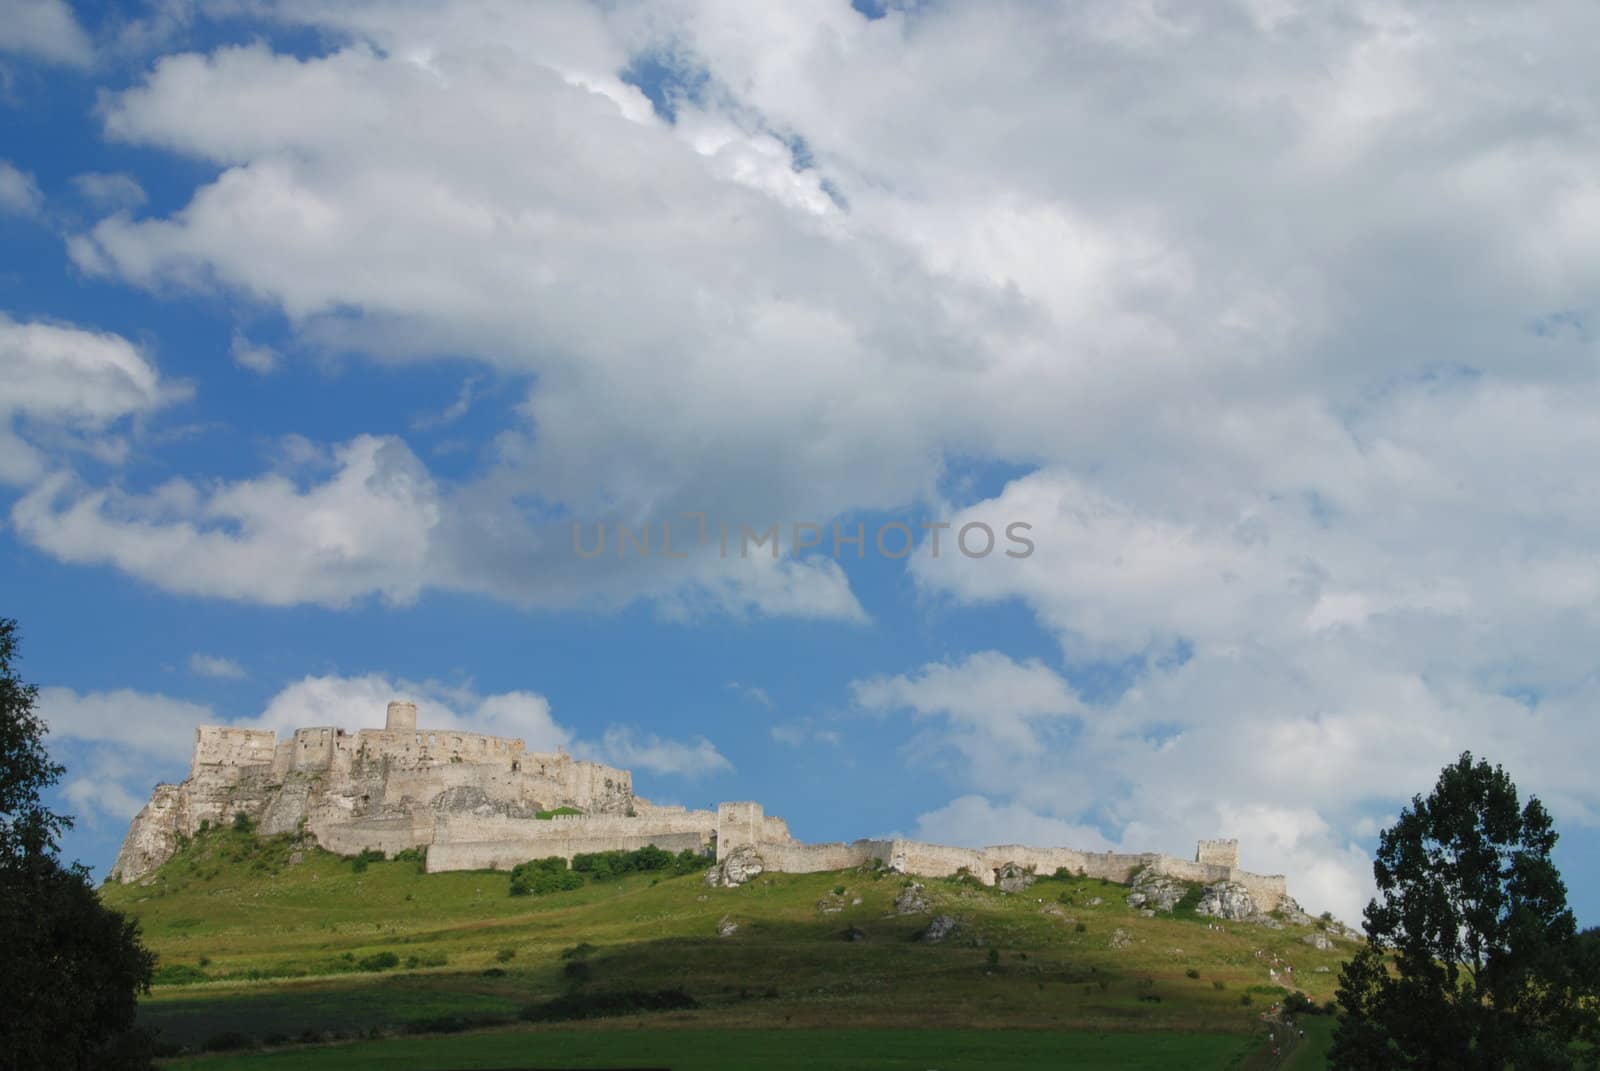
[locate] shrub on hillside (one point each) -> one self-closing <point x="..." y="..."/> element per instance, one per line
<point x="604" y="866"/>
<point x="538" y="877"/>
<point x="418" y="856"/>
<point x="242" y="823"/>
<point x="359" y="861"/>
<point x="380" y="961"/>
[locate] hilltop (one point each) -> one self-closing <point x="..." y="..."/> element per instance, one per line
<point x="270" y="939"/>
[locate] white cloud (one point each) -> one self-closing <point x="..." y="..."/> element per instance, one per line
<point x="154" y="726"/>
<point x="65" y="387"/>
<point x="976" y="822"/>
<point x="987" y="692"/>
<point x="258" y="358"/>
<point x="19" y="193"/>
<point x="1290" y="315"/>
<point x="622" y="746"/>
<point x="43" y="29"/>
<point x="204" y="665"/>
<point x="365" y="529"/>
<point x="110" y="190"/>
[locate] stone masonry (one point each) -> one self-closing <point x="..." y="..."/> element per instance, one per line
<point x="473" y="802"/>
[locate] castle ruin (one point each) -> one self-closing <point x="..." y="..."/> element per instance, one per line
<point x="485" y="802"/>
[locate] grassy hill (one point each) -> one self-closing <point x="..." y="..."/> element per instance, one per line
<point x="262" y="942"/>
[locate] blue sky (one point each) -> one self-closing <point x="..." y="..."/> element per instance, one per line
<point x="320" y="324"/>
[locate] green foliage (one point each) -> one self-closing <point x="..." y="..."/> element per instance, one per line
<point x="73" y="968"/>
<point x="365" y="857"/>
<point x="1488" y="971"/>
<point x="1191" y="973"/>
<point x="579" y="951"/>
<point x="506" y="955"/>
<point x="539" y="877"/>
<point x="994" y="957"/>
<point x="559" y="811"/>
<point x="380" y="961"/>
<point x="607" y="866"/>
<point x="418" y="857"/>
<point x="242" y="823"/>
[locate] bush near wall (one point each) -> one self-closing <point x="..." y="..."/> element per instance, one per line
<point x="537" y="877"/>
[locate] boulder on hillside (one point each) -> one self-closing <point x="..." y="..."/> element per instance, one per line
<point x="1013" y="877"/>
<point x="911" y="900"/>
<point x="726" y="927"/>
<point x="1320" y="941"/>
<point x="1156" y="892"/>
<point x="1226" y="900"/>
<point x="939" y="927"/>
<point x="1292" y="913"/>
<point x="740" y="866"/>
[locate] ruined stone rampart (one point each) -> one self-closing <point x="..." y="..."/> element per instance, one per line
<point x="473" y="801"/>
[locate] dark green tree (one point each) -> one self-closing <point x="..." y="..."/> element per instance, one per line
<point x="71" y="969"/>
<point x="1488" y="973"/>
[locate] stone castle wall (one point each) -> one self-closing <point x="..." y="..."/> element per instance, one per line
<point x="472" y="800"/>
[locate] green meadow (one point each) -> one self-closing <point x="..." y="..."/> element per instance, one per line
<point x="272" y="955"/>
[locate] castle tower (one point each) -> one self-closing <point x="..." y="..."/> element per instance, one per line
<point x="1217" y="852"/>
<point x="402" y="717"/>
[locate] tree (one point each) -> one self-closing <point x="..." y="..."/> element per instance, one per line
<point x="71" y="969"/>
<point x="1488" y="972"/>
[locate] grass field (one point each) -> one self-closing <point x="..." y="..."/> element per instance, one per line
<point x="323" y="952"/>
<point x="762" y="1050"/>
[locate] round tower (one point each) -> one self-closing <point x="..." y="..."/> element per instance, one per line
<point x="402" y="717"/>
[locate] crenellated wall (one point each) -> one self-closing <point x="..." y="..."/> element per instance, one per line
<point x="1217" y="852"/>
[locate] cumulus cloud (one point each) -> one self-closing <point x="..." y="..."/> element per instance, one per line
<point x="364" y="529"/>
<point x="67" y="387"/>
<point x="988" y="693"/>
<point x="1287" y="314"/>
<point x="44" y="30"/>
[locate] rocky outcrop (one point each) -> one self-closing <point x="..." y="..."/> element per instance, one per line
<point x="939" y="927"/>
<point x="912" y="900"/>
<point x="1226" y="900"/>
<point x="1318" y="940"/>
<point x="738" y="867"/>
<point x="1120" y="939"/>
<point x="1292" y="913"/>
<point x="152" y="838"/>
<point x="1156" y="892"/>
<point x="726" y="927"/>
<point x="1012" y="877"/>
